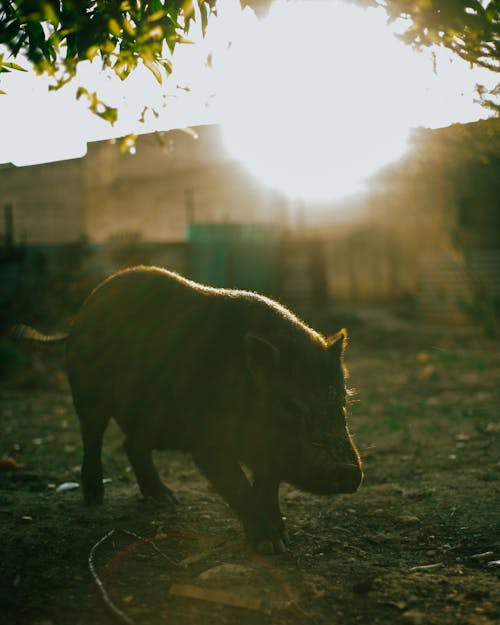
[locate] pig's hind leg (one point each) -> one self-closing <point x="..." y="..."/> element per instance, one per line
<point x="92" y="427"/>
<point x="150" y="484"/>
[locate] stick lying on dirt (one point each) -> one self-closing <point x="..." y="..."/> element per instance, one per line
<point x="100" y="586"/>
<point x="217" y="596"/>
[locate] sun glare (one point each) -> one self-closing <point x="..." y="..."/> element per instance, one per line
<point x="317" y="96"/>
<point x="313" y="98"/>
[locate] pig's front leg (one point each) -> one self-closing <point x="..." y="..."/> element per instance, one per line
<point x="273" y="537"/>
<point x="256" y="506"/>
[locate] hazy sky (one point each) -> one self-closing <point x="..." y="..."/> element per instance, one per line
<point x="312" y="99"/>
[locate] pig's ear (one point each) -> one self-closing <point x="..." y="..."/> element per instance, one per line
<point x="336" y="344"/>
<point x="261" y="356"/>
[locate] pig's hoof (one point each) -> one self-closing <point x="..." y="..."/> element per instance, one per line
<point x="93" y="499"/>
<point x="270" y="547"/>
<point x="166" y="498"/>
<point x="93" y="503"/>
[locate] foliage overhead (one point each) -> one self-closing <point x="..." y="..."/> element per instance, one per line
<point x="56" y="35"/>
<point x="469" y="28"/>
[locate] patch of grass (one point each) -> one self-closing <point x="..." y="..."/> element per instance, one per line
<point x="491" y="476"/>
<point x="378" y="424"/>
<point x="393" y="424"/>
<point x="431" y="500"/>
<point x="396" y="407"/>
<point x="465" y="414"/>
<point x="356" y="407"/>
<point x="433" y="428"/>
<point x="459" y="359"/>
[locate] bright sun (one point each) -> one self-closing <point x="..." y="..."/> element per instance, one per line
<point x="317" y="96"/>
<point x="314" y="98"/>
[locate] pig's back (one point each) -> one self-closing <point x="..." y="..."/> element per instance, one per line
<point x="138" y="319"/>
<point x="150" y="342"/>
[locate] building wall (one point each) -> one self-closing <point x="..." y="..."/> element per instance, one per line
<point x="169" y="183"/>
<point x="153" y="195"/>
<point x="46" y="200"/>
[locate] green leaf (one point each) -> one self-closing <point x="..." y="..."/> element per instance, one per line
<point x="99" y="108"/>
<point x="492" y="10"/>
<point x="157" y="15"/>
<point x="156" y="5"/>
<point x="166" y="64"/>
<point x="109" y="113"/>
<point x="188" y="10"/>
<point x="181" y="39"/>
<point x="81" y="91"/>
<point x="114" y="27"/>
<point x="19" y="44"/>
<point x="129" y="27"/>
<point x="49" y="14"/>
<point x="128" y="143"/>
<point x="92" y="52"/>
<point x="12" y="66"/>
<point x="154" y="68"/>
<point x="204" y="17"/>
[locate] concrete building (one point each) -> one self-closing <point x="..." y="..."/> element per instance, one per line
<point x="174" y="179"/>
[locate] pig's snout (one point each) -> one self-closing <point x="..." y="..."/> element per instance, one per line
<point x="348" y="478"/>
<point x="337" y="479"/>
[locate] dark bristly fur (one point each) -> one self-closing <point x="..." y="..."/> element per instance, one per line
<point x="230" y="376"/>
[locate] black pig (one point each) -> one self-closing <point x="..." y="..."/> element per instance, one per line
<point x="230" y="376"/>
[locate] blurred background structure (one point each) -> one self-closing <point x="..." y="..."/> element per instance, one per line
<point x="424" y="237"/>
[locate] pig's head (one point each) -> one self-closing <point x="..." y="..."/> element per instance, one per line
<point x="300" y="383"/>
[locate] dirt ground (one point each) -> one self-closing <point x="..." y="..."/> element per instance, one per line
<point x="418" y="544"/>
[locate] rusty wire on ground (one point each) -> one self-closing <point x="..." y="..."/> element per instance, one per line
<point x="214" y="596"/>
<point x="98" y="582"/>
